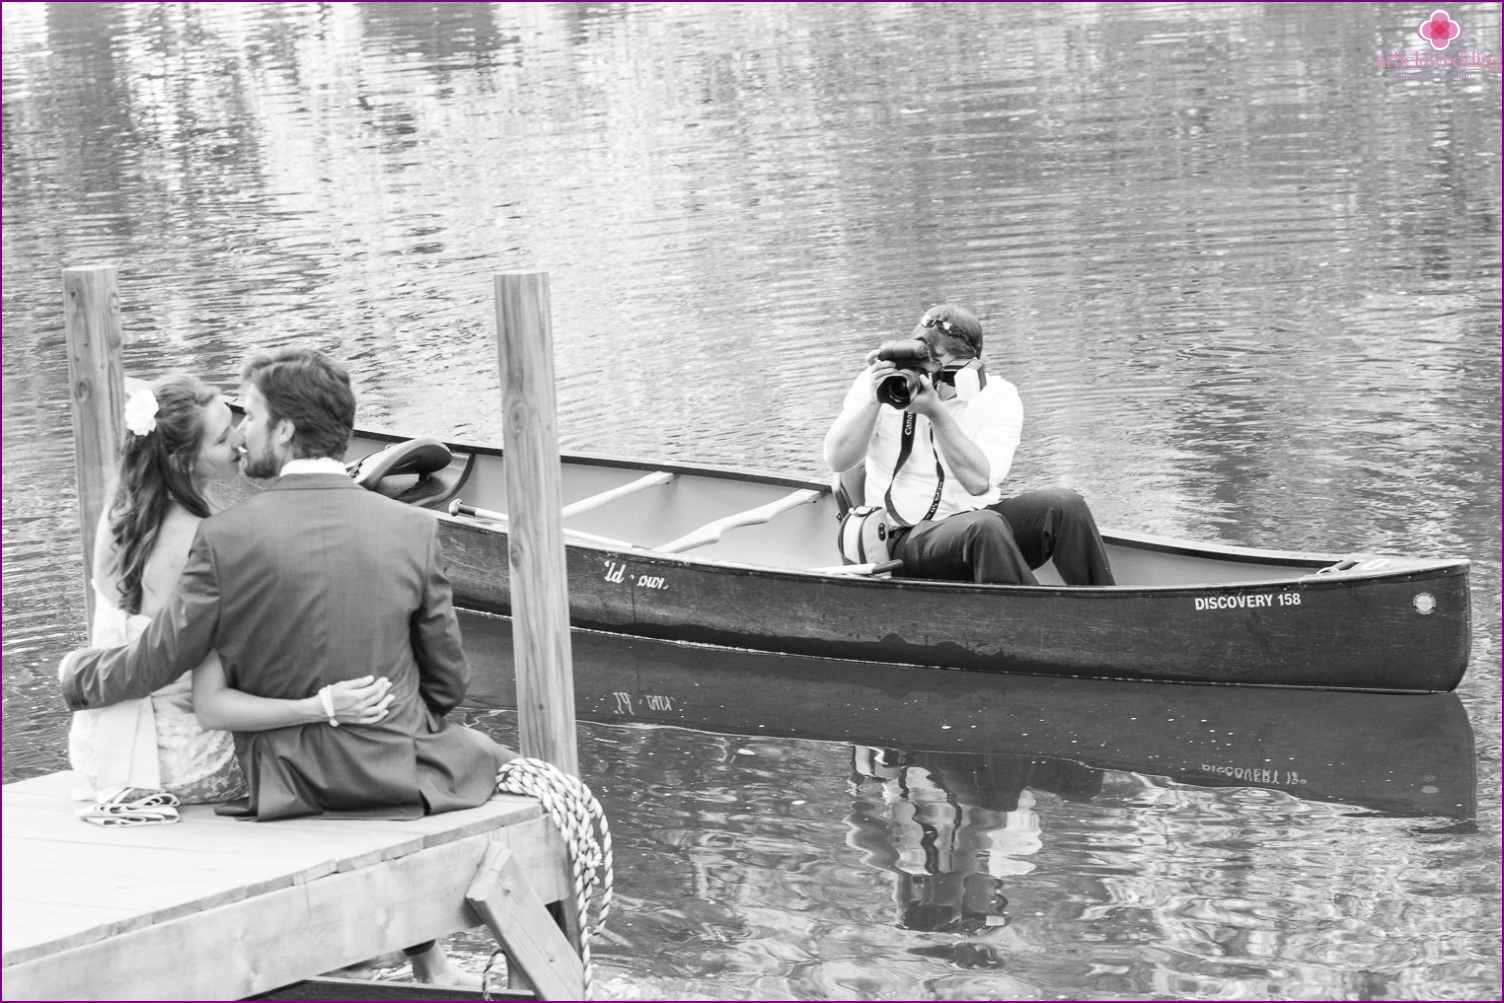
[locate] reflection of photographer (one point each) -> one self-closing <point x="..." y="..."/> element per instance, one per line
<point x="953" y="827"/>
<point x="950" y="849"/>
<point x="937" y="433"/>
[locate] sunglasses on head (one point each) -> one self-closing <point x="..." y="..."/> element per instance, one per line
<point x="946" y="327"/>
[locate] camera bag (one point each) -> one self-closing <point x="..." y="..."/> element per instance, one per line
<point x="863" y="536"/>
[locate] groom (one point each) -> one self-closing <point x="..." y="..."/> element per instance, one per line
<point x="310" y="582"/>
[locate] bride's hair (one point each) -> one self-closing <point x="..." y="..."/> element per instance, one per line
<point x="156" y="469"/>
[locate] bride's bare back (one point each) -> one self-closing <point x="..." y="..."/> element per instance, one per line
<point x="169" y="555"/>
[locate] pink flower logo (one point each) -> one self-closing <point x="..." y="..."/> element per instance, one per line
<point x="1439" y="30"/>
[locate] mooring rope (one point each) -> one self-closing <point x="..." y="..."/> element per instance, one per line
<point x="578" y="815"/>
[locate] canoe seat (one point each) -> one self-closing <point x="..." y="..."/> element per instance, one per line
<point x="416" y="472"/>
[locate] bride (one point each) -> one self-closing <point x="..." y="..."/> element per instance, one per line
<point x="180" y="440"/>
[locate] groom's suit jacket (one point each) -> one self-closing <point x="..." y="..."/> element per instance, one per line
<point x="313" y="581"/>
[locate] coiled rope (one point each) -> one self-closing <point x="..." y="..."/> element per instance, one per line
<point x="587" y="837"/>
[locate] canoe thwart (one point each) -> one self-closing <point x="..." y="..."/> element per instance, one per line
<point x="712" y="531"/>
<point x="653" y="480"/>
<point x="459" y="509"/>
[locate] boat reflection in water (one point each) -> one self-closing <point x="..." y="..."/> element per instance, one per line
<point x="1403" y="755"/>
<point x="968" y="789"/>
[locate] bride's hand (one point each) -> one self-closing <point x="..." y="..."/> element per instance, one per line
<point x="361" y="701"/>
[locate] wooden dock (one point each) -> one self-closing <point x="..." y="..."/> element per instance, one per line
<point x="212" y="908"/>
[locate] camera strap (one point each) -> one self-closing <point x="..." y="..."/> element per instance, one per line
<point x="905" y="447"/>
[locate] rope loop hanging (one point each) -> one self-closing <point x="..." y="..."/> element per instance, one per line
<point x="576" y="813"/>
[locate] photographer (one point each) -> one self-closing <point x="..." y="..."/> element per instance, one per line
<point x="938" y="434"/>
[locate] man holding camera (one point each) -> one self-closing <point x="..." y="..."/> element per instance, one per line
<point x="937" y="433"/>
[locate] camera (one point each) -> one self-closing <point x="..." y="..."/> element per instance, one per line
<point x="912" y="357"/>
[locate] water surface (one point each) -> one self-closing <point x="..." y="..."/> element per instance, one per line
<point x="1246" y="279"/>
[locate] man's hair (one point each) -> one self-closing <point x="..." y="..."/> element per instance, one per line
<point x="958" y="325"/>
<point x="307" y="388"/>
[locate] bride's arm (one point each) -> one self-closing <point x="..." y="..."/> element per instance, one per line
<point x="218" y="707"/>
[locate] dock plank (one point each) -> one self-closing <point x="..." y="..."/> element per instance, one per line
<point x="196" y="832"/>
<point x="27" y="813"/>
<point x="269" y="940"/>
<point x="278" y="901"/>
<point x="43" y="923"/>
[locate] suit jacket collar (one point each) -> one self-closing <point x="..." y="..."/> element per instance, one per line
<point x="317" y="482"/>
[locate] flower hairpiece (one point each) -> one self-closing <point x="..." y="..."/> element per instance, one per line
<point x="141" y="412"/>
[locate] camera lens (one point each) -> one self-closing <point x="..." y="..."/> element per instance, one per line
<point x="898" y="389"/>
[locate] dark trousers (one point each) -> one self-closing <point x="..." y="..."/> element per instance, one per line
<point x="1003" y="543"/>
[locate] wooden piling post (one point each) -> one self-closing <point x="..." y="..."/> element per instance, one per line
<point x="540" y="594"/>
<point x="96" y="381"/>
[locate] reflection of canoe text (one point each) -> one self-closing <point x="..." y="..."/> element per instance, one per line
<point x="647" y="702"/>
<point x="1282" y="778"/>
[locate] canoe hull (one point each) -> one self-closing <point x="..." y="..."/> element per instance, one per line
<point x="1185" y="612"/>
<point x="1358" y="633"/>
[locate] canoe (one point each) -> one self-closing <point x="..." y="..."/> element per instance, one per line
<point x="1400" y="755"/>
<point x="742" y="559"/>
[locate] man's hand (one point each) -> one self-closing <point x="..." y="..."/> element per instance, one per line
<point x="877" y="370"/>
<point x="926" y="400"/>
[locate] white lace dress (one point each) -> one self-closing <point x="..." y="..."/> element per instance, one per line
<point x="152" y="742"/>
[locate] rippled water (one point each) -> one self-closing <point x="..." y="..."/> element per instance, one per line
<point x="1247" y="281"/>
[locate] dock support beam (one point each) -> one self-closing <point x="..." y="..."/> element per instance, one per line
<point x="540" y="593"/>
<point x="518" y="919"/>
<point x="96" y="387"/>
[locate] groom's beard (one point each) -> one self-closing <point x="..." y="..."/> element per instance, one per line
<point x="261" y="465"/>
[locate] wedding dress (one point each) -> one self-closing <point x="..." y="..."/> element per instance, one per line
<point x="152" y="742"/>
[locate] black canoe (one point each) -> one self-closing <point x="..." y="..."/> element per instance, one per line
<point x="739" y="559"/>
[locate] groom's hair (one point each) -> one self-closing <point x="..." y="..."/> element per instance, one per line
<point x="306" y="387"/>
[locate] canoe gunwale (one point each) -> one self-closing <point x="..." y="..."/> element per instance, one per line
<point x="1237" y="552"/>
<point x="617" y="463"/>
